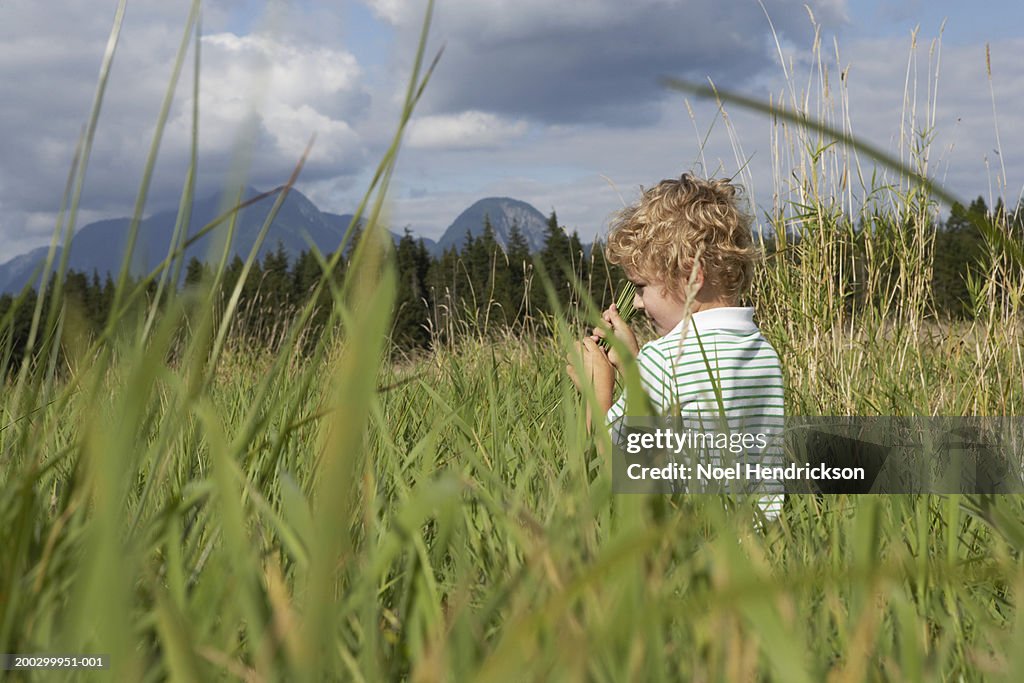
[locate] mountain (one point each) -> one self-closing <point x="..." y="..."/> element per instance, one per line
<point x="100" y="246"/>
<point x="503" y="213"/>
<point x="299" y="224"/>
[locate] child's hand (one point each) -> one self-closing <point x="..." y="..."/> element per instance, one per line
<point x="597" y="369"/>
<point x="622" y="332"/>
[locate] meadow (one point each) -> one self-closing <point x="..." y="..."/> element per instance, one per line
<point x="197" y="508"/>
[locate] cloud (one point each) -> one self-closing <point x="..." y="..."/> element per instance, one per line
<point x="466" y="130"/>
<point x="583" y="170"/>
<point x="292" y="91"/>
<point x="597" y="61"/>
<point x="899" y="99"/>
<point x="536" y="100"/>
<point x="940" y="93"/>
<point x="272" y="89"/>
<point x="391" y="11"/>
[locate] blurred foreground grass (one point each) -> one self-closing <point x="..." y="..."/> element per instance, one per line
<point x="467" y="533"/>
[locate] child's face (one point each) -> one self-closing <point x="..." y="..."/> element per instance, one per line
<point x="663" y="308"/>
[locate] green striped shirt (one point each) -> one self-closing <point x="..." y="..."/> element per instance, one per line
<point x="717" y="363"/>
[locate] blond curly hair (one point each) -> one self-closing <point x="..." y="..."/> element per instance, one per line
<point x="659" y="237"/>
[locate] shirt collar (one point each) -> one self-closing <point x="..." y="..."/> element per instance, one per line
<point x="733" y="318"/>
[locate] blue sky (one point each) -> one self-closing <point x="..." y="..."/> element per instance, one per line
<point x="965" y="24"/>
<point x="558" y="104"/>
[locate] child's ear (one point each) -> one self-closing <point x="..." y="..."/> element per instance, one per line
<point x="698" y="279"/>
<point x="696" y="275"/>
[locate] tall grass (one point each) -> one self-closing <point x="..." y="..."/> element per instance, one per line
<point x="227" y="512"/>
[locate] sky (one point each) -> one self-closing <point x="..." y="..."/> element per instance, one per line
<point x="560" y="104"/>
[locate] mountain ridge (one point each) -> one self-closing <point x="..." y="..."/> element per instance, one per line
<point x="503" y="213"/>
<point x="99" y="246"/>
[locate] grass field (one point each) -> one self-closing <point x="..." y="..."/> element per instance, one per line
<point x="255" y="527"/>
<point x="198" y="510"/>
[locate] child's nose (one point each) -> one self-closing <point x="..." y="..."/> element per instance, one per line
<point x="638" y="303"/>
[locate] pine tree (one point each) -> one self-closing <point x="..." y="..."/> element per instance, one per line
<point x="97" y="312"/>
<point x="467" y="290"/>
<point x="555" y="262"/>
<point x="494" y="276"/>
<point x="578" y="257"/>
<point x="959" y="250"/>
<point x="232" y="272"/>
<point x="353" y="243"/>
<point x="14" y="338"/>
<point x="477" y="256"/>
<point x="276" y="287"/>
<point x="305" y="274"/>
<point x="195" y="272"/>
<point x="423" y="262"/>
<point x="444" y="292"/>
<point x="409" y="328"/>
<point x="76" y="287"/>
<point x="108" y="293"/>
<point x="520" y="270"/>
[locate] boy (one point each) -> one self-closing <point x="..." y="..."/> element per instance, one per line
<point x="687" y="247"/>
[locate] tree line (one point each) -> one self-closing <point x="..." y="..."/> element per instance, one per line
<point x="482" y="288"/>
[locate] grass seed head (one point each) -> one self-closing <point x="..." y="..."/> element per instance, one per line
<point x="624" y="305"/>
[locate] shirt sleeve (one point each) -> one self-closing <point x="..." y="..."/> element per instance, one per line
<point x="654" y="377"/>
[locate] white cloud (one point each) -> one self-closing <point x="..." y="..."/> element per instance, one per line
<point x="293" y="91"/>
<point x="277" y="85"/>
<point x="391" y="11"/>
<point x="964" y="134"/>
<point x="466" y="130"/>
<point x="288" y="72"/>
